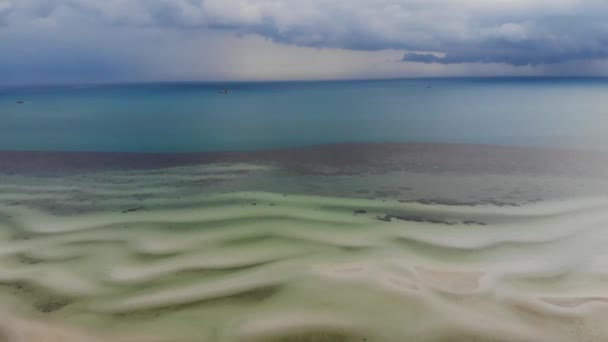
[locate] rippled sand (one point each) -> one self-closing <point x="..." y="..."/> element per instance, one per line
<point x="243" y="252"/>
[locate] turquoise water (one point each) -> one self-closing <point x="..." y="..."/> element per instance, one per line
<point x="194" y="117"/>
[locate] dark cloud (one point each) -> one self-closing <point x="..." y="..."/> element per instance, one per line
<point x="514" y="32"/>
<point x="552" y="40"/>
<point x="510" y="32"/>
<point x="527" y="53"/>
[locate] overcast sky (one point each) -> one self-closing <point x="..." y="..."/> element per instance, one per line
<point x="50" y="41"/>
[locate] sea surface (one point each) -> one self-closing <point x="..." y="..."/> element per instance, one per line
<point x="195" y="117"/>
<point x="383" y="211"/>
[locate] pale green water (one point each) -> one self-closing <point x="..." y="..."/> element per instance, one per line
<point x="244" y="252"/>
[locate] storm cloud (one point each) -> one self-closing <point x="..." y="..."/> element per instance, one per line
<point x="443" y="32"/>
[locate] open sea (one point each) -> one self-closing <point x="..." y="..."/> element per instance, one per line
<point x="383" y="211"/>
<point x="195" y="117"/>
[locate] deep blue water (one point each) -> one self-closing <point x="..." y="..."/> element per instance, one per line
<point x="194" y="117"/>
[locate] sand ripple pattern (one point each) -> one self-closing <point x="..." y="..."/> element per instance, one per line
<point x="260" y="266"/>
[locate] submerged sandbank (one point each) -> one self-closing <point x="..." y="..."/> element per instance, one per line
<point x="263" y="251"/>
<point x="307" y="268"/>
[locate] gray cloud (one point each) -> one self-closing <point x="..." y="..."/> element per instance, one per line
<point x="523" y="53"/>
<point x="511" y="32"/>
<point x="515" y="32"/>
<point x="542" y="41"/>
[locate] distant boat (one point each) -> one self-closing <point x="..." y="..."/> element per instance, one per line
<point x="224" y="91"/>
<point x="20" y="102"/>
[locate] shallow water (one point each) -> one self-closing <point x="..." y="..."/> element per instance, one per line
<point x="260" y="252"/>
<point x="345" y="242"/>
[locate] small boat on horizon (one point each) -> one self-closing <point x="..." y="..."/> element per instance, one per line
<point x="20" y="102"/>
<point x="224" y="91"/>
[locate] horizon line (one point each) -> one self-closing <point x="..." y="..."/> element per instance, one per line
<point x="345" y="80"/>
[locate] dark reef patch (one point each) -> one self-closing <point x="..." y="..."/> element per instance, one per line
<point x="473" y="223"/>
<point x="426" y="219"/>
<point x="421" y="219"/>
<point x="25" y="259"/>
<point x="388" y="193"/>
<point x="52" y="305"/>
<point x="456" y="203"/>
<point x="131" y="210"/>
<point x="336" y="159"/>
